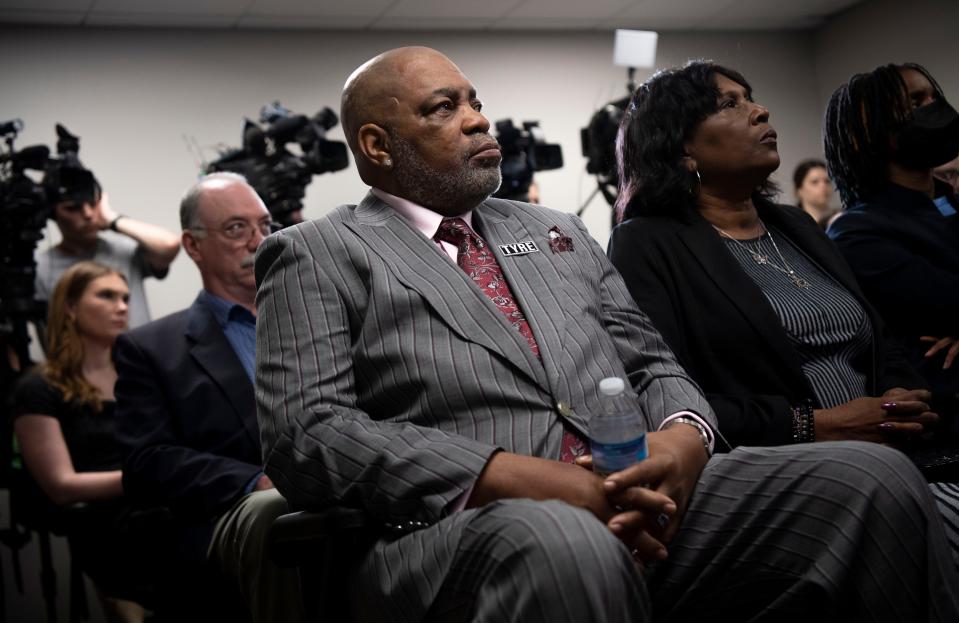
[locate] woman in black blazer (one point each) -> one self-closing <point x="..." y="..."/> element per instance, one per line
<point x="728" y="337"/>
<point x="756" y="302"/>
<point x="687" y="207"/>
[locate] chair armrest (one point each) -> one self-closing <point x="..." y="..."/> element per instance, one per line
<point x="299" y="537"/>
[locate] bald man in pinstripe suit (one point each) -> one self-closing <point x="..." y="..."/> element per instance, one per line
<point x="389" y="379"/>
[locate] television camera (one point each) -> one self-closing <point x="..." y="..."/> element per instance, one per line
<point x="278" y="174"/>
<point x="25" y="206"/>
<point x="524" y="150"/>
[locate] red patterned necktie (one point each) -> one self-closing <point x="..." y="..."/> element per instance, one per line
<point x="475" y="258"/>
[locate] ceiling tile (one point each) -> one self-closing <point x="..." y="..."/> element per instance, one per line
<point x="759" y="24"/>
<point x="41" y="17"/>
<point x="650" y="23"/>
<point x="427" y="14"/>
<point x="178" y="7"/>
<point x="353" y="8"/>
<point x="760" y="9"/>
<point x="591" y="11"/>
<point x="38" y="6"/>
<point x="540" y="23"/>
<point x="161" y="20"/>
<point x="407" y="9"/>
<point x="432" y="24"/>
<point x="693" y="11"/>
<point x="300" y="22"/>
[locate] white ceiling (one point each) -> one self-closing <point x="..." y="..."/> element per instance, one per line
<point x="429" y="14"/>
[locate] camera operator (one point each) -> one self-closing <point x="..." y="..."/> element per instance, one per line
<point x="92" y="230"/>
<point x="141" y="250"/>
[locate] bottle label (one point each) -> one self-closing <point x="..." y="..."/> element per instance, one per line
<point x="615" y="457"/>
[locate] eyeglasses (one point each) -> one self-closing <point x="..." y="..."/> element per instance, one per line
<point x="242" y="230"/>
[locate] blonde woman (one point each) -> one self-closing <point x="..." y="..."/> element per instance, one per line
<point x="64" y="423"/>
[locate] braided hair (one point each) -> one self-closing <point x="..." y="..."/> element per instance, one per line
<point x="861" y="120"/>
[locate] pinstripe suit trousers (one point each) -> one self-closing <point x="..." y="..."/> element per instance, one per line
<point x="826" y="532"/>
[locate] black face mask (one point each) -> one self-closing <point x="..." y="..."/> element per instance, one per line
<point x="930" y="138"/>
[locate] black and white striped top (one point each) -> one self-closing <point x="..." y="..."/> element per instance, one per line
<point x="825" y="323"/>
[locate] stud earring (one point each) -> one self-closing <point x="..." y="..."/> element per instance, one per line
<point x="388" y="162"/>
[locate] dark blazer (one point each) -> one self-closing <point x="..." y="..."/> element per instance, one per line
<point x="186" y="417"/>
<point x="721" y="327"/>
<point x="905" y="254"/>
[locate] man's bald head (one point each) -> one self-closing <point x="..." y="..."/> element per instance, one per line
<point x="413" y="122"/>
<point x="190" y="204"/>
<point x="371" y="93"/>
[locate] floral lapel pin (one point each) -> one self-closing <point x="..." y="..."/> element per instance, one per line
<point x="558" y="241"/>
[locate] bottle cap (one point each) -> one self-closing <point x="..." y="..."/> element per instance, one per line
<point x="612" y="386"/>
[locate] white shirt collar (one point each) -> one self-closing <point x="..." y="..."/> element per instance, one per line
<point x="423" y="219"/>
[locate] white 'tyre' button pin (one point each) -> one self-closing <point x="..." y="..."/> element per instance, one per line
<point x="519" y="248"/>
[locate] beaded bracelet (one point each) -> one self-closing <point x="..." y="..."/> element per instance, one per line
<point x="804" y="425"/>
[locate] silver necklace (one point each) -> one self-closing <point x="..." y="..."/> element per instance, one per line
<point x="763" y="259"/>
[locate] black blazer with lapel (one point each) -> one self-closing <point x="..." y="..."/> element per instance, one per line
<point x="723" y="330"/>
<point x="905" y="254"/>
<point x="186" y="416"/>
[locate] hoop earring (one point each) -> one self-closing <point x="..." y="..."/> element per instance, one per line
<point x="699" y="184"/>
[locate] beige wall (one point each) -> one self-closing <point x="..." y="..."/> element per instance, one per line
<point x="889" y="31"/>
<point x="132" y="95"/>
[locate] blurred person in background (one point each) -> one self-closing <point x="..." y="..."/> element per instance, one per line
<point x="533" y="193"/>
<point x="949" y="173"/>
<point x="92" y="230"/>
<point x="814" y="191"/>
<point x="64" y="423"/>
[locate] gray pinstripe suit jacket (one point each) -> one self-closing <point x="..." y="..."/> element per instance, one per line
<point x="386" y="378"/>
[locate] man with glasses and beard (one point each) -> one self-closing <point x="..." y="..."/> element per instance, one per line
<point x="186" y="416"/>
<point x="431" y="356"/>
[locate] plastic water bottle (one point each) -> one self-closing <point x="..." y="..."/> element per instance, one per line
<point x="616" y="435"/>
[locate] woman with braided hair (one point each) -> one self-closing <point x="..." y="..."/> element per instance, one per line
<point x="884" y="133"/>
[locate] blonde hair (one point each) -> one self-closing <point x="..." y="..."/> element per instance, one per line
<point x="64" y="366"/>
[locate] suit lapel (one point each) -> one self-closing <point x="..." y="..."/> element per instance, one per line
<point x="214" y="354"/>
<point x="419" y="264"/>
<point x="707" y="247"/>
<point x="533" y="279"/>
